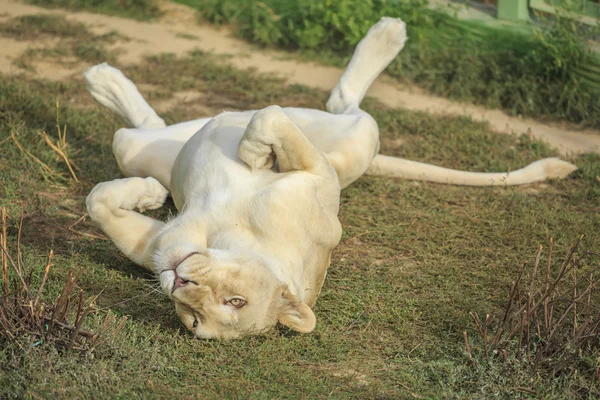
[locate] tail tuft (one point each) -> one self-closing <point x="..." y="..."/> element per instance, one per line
<point x="555" y="168"/>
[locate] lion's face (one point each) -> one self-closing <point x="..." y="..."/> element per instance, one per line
<point x="219" y="294"/>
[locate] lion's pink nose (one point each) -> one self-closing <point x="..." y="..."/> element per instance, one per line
<point x="179" y="281"/>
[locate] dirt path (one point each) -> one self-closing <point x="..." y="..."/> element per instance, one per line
<point x="177" y="32"/>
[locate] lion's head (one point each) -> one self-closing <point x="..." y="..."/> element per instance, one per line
<point x="221" y="294"/>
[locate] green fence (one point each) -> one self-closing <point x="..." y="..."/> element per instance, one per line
<point x="588" y="12"/>
<point x="586" y="8"/>
<point x="590" y="72"/>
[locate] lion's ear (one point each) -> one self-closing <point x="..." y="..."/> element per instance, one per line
<point x="295" y="314"/>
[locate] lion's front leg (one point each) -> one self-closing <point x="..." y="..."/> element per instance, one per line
<point x="111" y="205"/>
<point x="271" y="135"/>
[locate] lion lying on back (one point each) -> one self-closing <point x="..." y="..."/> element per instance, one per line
<point x="258" y="194"/>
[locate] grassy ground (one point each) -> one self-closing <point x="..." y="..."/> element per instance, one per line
<point x="73" y="40"/>
<point x="136" y="9"/>
<point x="414" y="260"/>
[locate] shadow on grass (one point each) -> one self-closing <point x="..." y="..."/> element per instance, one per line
<point x="122" y="286"/>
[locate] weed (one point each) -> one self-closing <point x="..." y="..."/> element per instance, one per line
<point x="27" y="321"/>
<point x="551" y="324"/>
<point x="60" y="148"/>
<point x="187" y="36"/>
<point x="92" y="53"/>
<point x="28" y="27"/>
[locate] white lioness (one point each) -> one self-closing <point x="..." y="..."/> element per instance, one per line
<point x="258" y="194"/>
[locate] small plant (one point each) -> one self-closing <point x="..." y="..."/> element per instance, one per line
<point x="551" y="323"/>
<point x="26" y="320"/>
<point x="325" y="24"/>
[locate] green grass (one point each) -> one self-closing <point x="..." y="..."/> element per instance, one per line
<point x="533" y="72"/>
<point x="137" y="9"/>
<point x="414" y="260"/>
<point x="28" y="27"/>
<point x="75" y="40"/>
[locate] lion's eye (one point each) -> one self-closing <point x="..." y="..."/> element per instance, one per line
<point x="237" y="302"/>
<point x="195" y="324"/>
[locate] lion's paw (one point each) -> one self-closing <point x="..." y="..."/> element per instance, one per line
<point x="109" y="87"/>
<point x="125" y="194"/>
<point x="383" y="41"/>
<point x="375" y="51"/>
<point x="256" y="154"/>
<point x="153" y="197"/>
<point x="256" y="146"/>
<point x="389" y="34"/>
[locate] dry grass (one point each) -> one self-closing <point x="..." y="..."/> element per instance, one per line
<point x="60" y="148"/>
<point x="26" y="320"/>
<point x="550" y="323"/>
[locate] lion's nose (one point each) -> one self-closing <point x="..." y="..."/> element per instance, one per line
<point x="178" y="281"/>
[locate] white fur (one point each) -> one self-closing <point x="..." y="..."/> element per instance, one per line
<point x="257" y="191"/>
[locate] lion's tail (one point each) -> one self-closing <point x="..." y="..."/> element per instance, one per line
<point x="534" y="172"/>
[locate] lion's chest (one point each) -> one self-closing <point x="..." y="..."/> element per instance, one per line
<point x="295" y="208"/>
<point x="294" y="211"/>
<point x="279" y="210"/>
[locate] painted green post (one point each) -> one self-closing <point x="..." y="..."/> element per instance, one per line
<point x="513" y="10"/>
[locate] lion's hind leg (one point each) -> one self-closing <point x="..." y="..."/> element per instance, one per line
<point x="149" y="148"/>
<point x="109" y="87"/>
<point x="352" y="152"/>
<point x="375" y="51"/>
